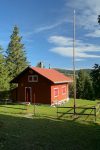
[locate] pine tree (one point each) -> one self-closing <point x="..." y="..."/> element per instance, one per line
<point x="88" y="88"/>
<point x="16" y="57"/>
<point x="84" y="86"/>
<point x="80" y="84"/>
<point x="4" y="85"/>
<point x="95" y="74"/>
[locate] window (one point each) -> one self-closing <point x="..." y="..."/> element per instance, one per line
<point x="32" y="78"/>
<point x="35" y="78"/>
<point x="56" y="92"/>
<point x="64" y="90"/>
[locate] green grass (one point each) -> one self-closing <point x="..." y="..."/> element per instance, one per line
<point x="20" y="130"/>
<point x="81" y="108"/>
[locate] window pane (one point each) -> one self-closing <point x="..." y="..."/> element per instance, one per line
<point x="35" y="78"/>
<point x="30" y="78"/>
<point x="55" y="92"/>
<point x="63" y="90"/>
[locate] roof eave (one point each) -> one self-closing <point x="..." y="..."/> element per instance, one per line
<point x="63" y="82"/>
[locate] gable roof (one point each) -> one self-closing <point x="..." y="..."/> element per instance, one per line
<point x="50" y="74"/>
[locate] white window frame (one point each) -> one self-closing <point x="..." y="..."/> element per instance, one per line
<point x="54" y="92"/>
<point x="29" y="78"/>
<point x="33" y="76"/>
<point x="65" y="90"/>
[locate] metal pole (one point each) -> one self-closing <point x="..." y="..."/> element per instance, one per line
<point x="57" y="108"/>
<point x="74" y="79"/>
<point x="34" y="105"/>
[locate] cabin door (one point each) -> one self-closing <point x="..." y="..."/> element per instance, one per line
<point x="28" y="94"/>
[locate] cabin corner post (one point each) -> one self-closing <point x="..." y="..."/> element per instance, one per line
<point x="34" y="109"/>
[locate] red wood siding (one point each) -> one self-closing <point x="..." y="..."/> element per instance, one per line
<point x="40" y="90"/>
<point x="61" y="95"/>
<point x="14" y="94"/>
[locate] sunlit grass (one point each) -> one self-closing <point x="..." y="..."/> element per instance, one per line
<point x="21" y="130"/>
<point x="49" y="111"/>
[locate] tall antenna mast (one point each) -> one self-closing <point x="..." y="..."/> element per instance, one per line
<point x="74" y="78"/>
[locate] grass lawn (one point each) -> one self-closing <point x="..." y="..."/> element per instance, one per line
<point x="20" y="130"/>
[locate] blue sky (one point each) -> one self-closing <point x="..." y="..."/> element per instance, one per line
<point x="47" y="30"/>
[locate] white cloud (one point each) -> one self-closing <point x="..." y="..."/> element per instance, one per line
<point x="86" y="15"/>
<point x="60" y="40"/>
<point x="44" y="28"/>
<point x="50" y="26"/>
<point x="95" y="33"/>
<point x="86" y="11"/>
<point x="78" y="59"/>
<point x="64" y="46"/>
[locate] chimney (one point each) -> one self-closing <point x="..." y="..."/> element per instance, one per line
<point x="49" y="66"/>
<point x="41" y="65"/>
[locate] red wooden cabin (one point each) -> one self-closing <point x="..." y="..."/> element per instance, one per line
<point x="39" y="85"/>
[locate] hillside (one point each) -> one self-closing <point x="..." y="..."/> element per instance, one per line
<point x="70" y="72"/>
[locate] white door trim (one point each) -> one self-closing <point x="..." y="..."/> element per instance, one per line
<point x="30" y="93"/>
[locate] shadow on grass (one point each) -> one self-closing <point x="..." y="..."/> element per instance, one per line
<point x="5" y="106"/>
<point x="70" y="111"/>
<point x="78" y="114"/>
<point x="19" y="133"/>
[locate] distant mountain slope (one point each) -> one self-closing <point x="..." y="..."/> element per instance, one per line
<point x="70" y="72"/>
